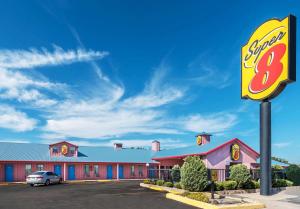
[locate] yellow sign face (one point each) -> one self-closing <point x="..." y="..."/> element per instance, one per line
<point x="64" y="149"/>
<point x="268" y="59"/>
<point x="214" y="175"/>
<point x="235" y="152"/>
<point x="199" y="140"/>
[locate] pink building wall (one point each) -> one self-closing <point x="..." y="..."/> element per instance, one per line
<point x="19" y="170"/>
<point x="222" y="157"/>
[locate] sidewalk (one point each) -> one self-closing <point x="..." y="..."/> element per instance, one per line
<point x="287" y="199"/>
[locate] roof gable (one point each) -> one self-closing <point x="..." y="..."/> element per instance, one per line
<point x="199" y="150"/>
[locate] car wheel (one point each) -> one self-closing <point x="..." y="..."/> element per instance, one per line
<point x="60" y="181"/>
<point x="47" y="182"/>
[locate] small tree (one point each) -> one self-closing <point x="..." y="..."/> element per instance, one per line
<point x="240" y="174"/>
<point x="193" y="174"/>
<point x="175" y="173"/>
<point x="293" y="174"/>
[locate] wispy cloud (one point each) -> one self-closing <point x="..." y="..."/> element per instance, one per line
<point x="16" y="86"/>
<point x="42" y="57"/>
<point x="213" y="123"/>
<point x="211" y="77"/>
<point x="157" y="92"/>
<point x="206" y="74"/>
<point x="281" y="144"/>
<point x="15" y="120"/>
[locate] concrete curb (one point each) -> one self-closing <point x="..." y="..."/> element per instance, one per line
<point x="163" y="189"/>
<point x="205" y="205"/>
<point x="175" y="194"/>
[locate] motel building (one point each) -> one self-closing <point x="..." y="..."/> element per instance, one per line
<point x="74" y="162"/>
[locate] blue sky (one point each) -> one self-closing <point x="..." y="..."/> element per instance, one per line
<point x="98" y="72"/>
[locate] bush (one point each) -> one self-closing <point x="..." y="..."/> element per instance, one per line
<point x="219" y="186"/>
<point x="193" y="174"/>
<point x="240" y="174"/>
<point x="257" y="184"/>
<point x="175" y="173"/>
<point x="282" y="183"/>
<point x="160" y="182"/>
<point x="177" y="185"/>
<point x="293" y="174"/>
<point x="229" y="185"/>
<point x="251" y="185"/>
<point x="147" y="181"/>
<point x="279" y="183"/>
<point x="289" y="183"/>
<point x="152" y="181"/>
<point x="196" y="196"/>
<point x="168" y="184"/>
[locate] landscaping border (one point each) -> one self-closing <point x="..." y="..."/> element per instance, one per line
<point x="175" y="194"/>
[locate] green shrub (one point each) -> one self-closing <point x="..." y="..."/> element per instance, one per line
<point x="147" y="181"/>
<point x="196" y="196"/>
<point x="153" y="182"/>
<point x="168" y="184"/>
<point x="240" y="174"/>
<point x="289" y="183"/>
<point x="251" y="185"/>
<point x="229" y="185"/>
<point x="257" y="184"/>
<point x="219" y="186"/>
<point x="177" y="185"/>
<point x="160" y="182"/>
<point x="282" y="183"/>
<point x="175" y="173"/>
<point x="279" y="183"/>
<point x="193" y="174"/>
<point x="293" y="174"/>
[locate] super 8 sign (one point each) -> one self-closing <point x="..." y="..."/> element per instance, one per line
<point x="269" y="59"/>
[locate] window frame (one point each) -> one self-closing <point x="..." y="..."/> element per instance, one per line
<point x="28" y="171"/>
<point x="132" y="170"/>
<point x="140" y="170"/>
<point x="86" y="172"/>
<point x="38" y="166"/>
<point x="72" y="150"/>
<point x="96" y="174"/>
<point x="55" y="150"/>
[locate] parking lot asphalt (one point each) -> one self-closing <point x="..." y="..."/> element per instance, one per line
<point x="110" y="195"/>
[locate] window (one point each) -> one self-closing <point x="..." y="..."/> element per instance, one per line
<point x="86" y="170"/>
<point x="140" y="168"/>
<point x="96" y="170"/>
<point x="132" y="170"/>
<point x="72" y="150"/>
<point x="40" y="167"/>
<point x="55" y="150"/>
<point x="39" y="173"/>
<point x="28" y="169"/>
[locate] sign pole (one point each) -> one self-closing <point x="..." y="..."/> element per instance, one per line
<point x="265" y="148"/>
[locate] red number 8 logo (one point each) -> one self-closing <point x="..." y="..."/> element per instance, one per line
<point x="268" y="69"/>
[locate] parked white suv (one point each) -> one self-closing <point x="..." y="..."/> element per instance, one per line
<point x="43" y="177"/>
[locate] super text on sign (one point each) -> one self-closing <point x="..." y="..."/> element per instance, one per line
<point x="268" y="59"/>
